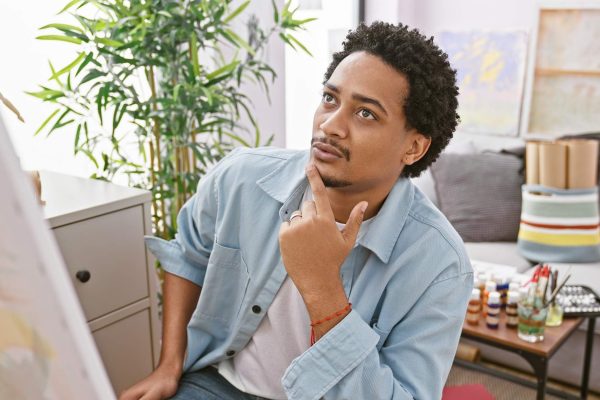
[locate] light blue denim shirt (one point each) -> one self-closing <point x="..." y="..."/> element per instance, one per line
<point x="408" y="279"/>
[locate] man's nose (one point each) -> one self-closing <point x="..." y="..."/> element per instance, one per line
<point x="335" y="124"/>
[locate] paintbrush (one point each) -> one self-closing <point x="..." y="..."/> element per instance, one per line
<point x="555" y="292"/>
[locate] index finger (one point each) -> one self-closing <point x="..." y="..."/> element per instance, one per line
<point x="319" y="192"/>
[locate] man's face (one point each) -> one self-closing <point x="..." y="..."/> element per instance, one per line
<point x="359" y="138"/>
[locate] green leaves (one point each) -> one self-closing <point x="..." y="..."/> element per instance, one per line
<point x="221" y="74"/>
<point x="236" y="12"/>
<point x="69" y="67"/>
<point x="235" y="39"/>
<point x="194" y="53"/>
<point x="293" y="42"/>
<point x="108" y="42"/>
<point x="71" y="4"/>
<point x="63" y="27"/>
<point x="154" y="90"/>
<point x="60" y="38"/>
<point x="43" y="125"/>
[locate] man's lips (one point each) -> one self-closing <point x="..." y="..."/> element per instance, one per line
<point x="327" y="148"/>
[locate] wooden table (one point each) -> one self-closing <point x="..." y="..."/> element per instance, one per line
<point x="537" y="354"/>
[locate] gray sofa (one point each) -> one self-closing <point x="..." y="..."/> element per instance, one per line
<point x="567" y="364"/>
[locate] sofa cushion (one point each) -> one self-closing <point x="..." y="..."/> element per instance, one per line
<point x="480" y="194"/>
<point x="425" y="180"/>
<point x="504" y="253"/>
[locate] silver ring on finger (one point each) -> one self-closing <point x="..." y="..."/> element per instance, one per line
<point x="296" y="214"/>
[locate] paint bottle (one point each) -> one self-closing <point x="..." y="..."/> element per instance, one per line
<point x="492" y="318"/>
<point x="479" y="283"/>
<point x="474" y="308"/>
<point x="514" y="286"/>
<point x="490" y="286"/>
<point x="512" y="317"/>
<point x="502" y="283"/>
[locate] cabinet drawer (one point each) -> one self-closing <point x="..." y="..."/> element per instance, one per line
<point x="111" y="248"/>
<point x="126" y="350"/>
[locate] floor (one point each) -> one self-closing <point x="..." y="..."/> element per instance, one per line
<point x="505" y="390"/>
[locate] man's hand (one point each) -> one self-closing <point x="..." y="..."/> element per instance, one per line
<point x="313" y="249"/>
<point x="160" y="384"/>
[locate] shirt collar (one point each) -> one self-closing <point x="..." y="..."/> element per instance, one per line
<point x="287" y="183"/>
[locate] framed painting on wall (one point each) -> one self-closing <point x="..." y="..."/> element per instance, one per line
<point x="562" y="96"/>
<point x="490" y="67"/>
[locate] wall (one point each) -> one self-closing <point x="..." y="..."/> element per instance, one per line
<point x="431" y="16"/>
<point x="304" y="81"/>
<point x="270" y="116"/>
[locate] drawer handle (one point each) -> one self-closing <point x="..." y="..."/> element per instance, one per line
<point x="83" y="276"/>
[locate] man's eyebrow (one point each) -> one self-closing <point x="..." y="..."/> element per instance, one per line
<point x="358" y="97"/>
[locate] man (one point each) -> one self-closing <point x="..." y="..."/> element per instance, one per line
<point x="300" y="298"/>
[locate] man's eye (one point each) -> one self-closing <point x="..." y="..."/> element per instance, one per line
<point x="364" y="113"/>
<point x="327" y="98"/>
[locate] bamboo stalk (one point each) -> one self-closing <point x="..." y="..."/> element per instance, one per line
<point x="180" y="179"/>
<point x="153" y="182"/>
<point x="186" y="162"/>
<point x="182" y="174"/>
<point x="156" y="131"/>
<point x="184" y="152"/>
<point x="193" y="136"/>
<point x="177" y="174"/>
<point x="194" y="142"/>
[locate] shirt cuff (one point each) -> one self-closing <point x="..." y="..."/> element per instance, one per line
<point x="171" y="258"/>
<point x="334" y="355"/>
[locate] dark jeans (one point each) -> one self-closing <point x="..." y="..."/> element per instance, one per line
<point x="208" y="384"/>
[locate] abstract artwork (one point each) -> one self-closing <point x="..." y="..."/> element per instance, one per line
<point x="490" y="72"/>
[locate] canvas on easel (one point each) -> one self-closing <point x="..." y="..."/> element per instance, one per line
<point x="46" y="349"/>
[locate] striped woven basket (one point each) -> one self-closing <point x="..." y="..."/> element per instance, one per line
<point x="559" y="225"/>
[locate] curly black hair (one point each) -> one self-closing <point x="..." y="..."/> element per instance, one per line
<point x="431" y="104"/>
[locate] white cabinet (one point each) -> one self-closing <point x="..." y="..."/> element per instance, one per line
<point x="100" y="228"/>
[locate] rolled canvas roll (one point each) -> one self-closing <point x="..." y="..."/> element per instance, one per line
<point x="553" y="164"/>
<point x="468" y="352"/>
<point x="532" y="163"/>
<point x="582" y="164"/>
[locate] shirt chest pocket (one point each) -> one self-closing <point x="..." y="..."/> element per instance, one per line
<point x="225" y="285"/>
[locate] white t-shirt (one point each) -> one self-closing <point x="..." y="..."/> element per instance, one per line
<point x="283" y="334"/>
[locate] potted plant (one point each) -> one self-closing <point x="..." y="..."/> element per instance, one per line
<point x="155" y="89"/>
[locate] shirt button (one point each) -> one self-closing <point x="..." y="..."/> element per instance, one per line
<point x="230" y="353"/>
<point x="256" y="309"/>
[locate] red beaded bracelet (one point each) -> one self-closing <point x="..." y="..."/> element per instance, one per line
<point x="328" y="318"/>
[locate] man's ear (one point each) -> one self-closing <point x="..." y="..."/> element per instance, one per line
<point x="419" y="144"/>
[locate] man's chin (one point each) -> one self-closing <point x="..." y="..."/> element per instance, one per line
<point x="333" y="182"/>
<point x="329" y="180"/>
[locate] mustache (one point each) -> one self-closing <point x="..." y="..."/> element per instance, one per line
<point x="345" y="152"/>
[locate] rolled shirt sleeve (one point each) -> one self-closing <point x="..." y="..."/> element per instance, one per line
<point x="187" y="255"/>
<point x="356" y="361"/>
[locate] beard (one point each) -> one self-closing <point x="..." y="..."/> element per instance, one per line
<point x="331" y="182"/>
